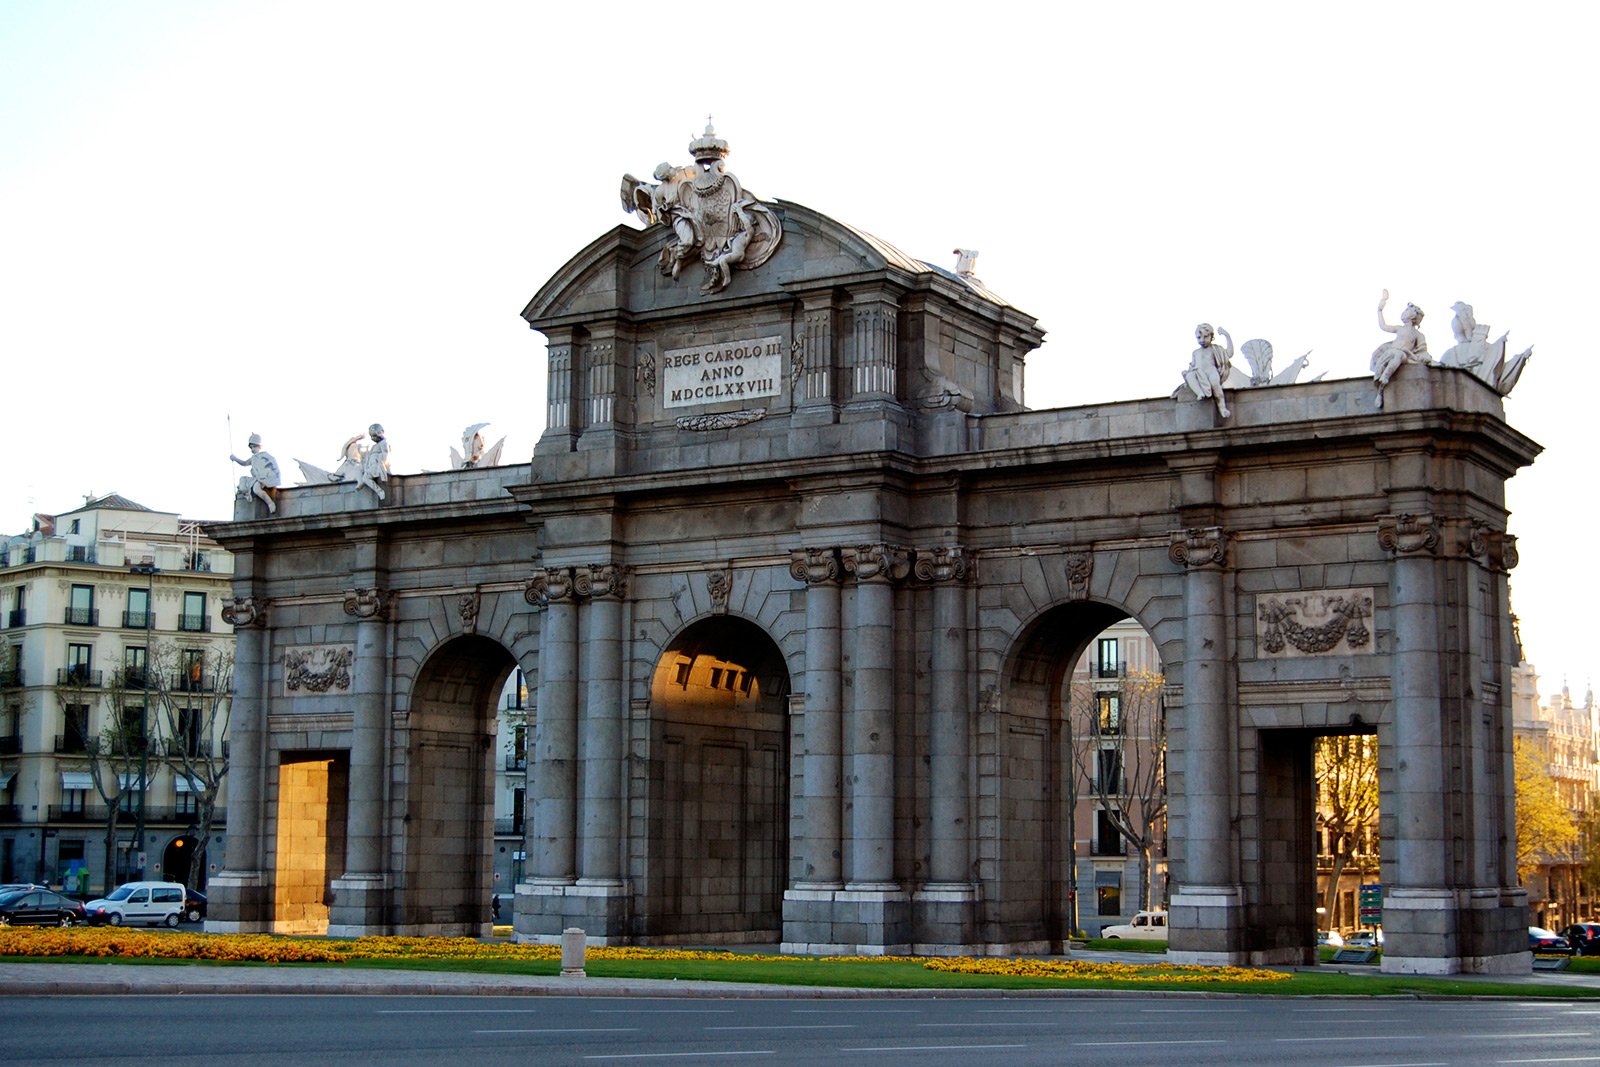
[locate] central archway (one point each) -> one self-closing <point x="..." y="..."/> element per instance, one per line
<point x="719" y="786"/>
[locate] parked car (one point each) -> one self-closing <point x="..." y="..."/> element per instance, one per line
<point x="1365" y="939"/>
<point x="1542" y="942"/>
<point x="194" y="905"/>
<point x="1147" y="925"/>
<point x="1330" y="937"/>
<point x="40" y="907"/>
<point x="1584" y="938"/>
<point x="139" y="902"/>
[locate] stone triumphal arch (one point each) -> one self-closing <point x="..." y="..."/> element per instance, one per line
<point x="793" y="575"/>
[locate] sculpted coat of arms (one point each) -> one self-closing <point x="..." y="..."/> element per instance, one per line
<point x="711" y="215"/>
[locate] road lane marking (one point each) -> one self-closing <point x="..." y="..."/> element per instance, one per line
<point x="568" y="1030"/>
<point x="1557" y="1059"/>
<point x="678" y="1055"/>
<point x="1134" y="1044"/>
<point x="790" y="1026"/>
<point x="929" y="1048"/>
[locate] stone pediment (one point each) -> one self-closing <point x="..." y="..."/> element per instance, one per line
<point x="619" y="271"/>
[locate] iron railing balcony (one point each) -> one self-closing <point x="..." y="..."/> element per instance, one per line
<point x="516" y="763"/>
<point x="80" y="554"/>
<point x="80" y="676"/>
<point x="72" y="745"/>
<point x="138" y="620"/>
<point x="17" y="617"/>
<point x="82" y="616"/>
<point x="194" y="682"/>
<point x="135" y="677"/>
<point x="57" y="813"/>
<point x="10" y="813"/>
<point x="504" y="826"/>
<point x="11" y="745"/>
<point x="11" y="679"/>
<point x="1110" y="670"/>
<point x="195" y="624"/>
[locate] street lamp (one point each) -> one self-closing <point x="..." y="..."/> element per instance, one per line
<point x="149" y="570"/>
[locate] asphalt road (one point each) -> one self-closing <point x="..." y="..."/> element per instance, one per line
<point x="881" y="1032"/>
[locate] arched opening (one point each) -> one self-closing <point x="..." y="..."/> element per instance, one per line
<point x="449" y="789"/>
<point x="1082" y="738"/>
<point x="176" y="860"/>
<point x="719" y="786"/>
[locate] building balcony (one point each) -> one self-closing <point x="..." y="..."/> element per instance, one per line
<point x="138" y="678"/>
<point x="80" y="554"/>
<point x="57" y="813"/>
<point x="71" y="745"/>
<point x="11" y="679"/>
<point x="516" y="763"/>
<point x="138" y="620"/>
<point x="11" y="745"/>
<point x="80" y="676"/>
<point x="508" y="827"/>
<point x="10" y="813"/>
<point x="82" y="616"/>
<point x="194" y="682"/>
<point x="194" y="624"/>
<point x="1109" y="670"/>
<point x="17" y="617"/>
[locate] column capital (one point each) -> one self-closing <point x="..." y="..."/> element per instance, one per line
<point x="246" y="612"/>
<point x="1198" y="546"/>
<point x="814" y="566"/>
<point x="368" y="603"/>
<point x="549" y="585"/>
<point x="599" y="581"/>
<point x="943" y="563"/>
<point x="1407" y="534"/>
<point x="877" y="563"/>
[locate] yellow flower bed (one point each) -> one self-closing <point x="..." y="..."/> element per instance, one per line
<point x="265" y="948"/>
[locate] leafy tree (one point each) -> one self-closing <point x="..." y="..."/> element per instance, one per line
<point x="1545" y="828"/>
<point x="1346" y="768"/>
<point x="1120" y="749"/>
<point x="114" y="753"/>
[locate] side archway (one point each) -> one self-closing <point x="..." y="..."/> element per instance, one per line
<point x="718" y="785"/>
<point x="448" y="800"/>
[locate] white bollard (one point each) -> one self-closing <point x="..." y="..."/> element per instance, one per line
<point x="572" y="953"/>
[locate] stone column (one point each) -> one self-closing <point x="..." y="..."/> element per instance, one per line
<point x="822" y="760"/>
<point x="1207" y="919"/>
<point x="871" y="732"/>
<point x="949" y="787"/>
<point x="552" y="832"/>
<point x="604" y="586"/>
<point x="240" y="902"/>
<point x="1419" y="839"/>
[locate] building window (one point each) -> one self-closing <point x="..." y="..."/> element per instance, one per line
<point x="1109" y="712"/>
<point x="138" y="616"/>
<point x="80" y="665"/>
<point x="1107" y="665"/>
<point x="1108" y="771"/>
<point x="188" y="804"/>
<point x="191" y="739"/>
<point x="194" y="618"/>
<point x="75" y="800"/>
<point x="192" y="671"/>
<point x="517" y="699"/>
<point x="19" y="607"/>
<point x="519" y="799"/>
<point x="80" y="606"/>
<point x="519" y="747"/>
<point x="75" y="729"/>
<point x="1107" y="841"/>
<point x="1108" y="892"/>
<point x="134" y="661"/>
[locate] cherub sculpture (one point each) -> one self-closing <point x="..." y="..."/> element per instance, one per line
<point x="1408" y="346"/>
<point x="263" y="480"/>
<point x="1210" y="366"/>
<point x="374" y="462"/>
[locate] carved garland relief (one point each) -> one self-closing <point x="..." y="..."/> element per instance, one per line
<point x="318" y="668"/>
<point x="1327" y="622"/>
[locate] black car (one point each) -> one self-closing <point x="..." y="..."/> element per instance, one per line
<point x="1543" y="942"/>
<point x="1584" y="938"/>
<point x="194" y="905"/>
<point x="40" y="907"/>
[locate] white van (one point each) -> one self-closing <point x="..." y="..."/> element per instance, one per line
<point x="139" y="902"/>
<point x="1147" y="926"/>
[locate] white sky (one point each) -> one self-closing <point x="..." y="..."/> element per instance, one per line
<point x="312" y="216"/>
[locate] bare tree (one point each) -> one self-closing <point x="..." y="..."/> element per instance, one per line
<point x="114" y="752"/>
<point x="193" y="705"/>
<point x="1123" y="756"/>
<point x="1346" y="768"/>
